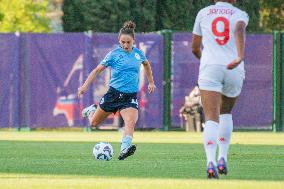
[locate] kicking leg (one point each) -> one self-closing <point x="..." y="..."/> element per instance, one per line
<point x="95" y="118"/>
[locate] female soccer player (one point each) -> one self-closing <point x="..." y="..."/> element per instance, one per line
<point x="124" y="61"/>
<point x="221" y="29"/>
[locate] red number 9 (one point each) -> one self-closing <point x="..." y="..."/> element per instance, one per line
<point x="224" y="36"/>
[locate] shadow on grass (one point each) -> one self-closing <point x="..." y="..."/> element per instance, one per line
<point x="179" y="161"/>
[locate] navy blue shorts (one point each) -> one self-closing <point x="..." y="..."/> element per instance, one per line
<point x="115" y="100"/>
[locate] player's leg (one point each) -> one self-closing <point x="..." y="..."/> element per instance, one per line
<point x="98" y="116"/>
<point x="88" y="111"/>
<point x="232" y="88"/>
<point x="95" y="114"/>
<point x="211" y="101"/>
<point x="130" y="117"/>
<point x="225" y="132"/>
<point x="210" y="82"/>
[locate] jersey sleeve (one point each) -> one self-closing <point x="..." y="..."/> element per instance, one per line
<point x="196" y="28"/>
<point x="143" y="57"/>
<point x="243" y="16"/>
<point x="108" y="60"/>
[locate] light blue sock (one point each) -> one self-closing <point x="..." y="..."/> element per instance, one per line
<point x="126" y="142"/>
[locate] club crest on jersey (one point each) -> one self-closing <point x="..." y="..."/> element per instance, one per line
<point x="137" y="56"/>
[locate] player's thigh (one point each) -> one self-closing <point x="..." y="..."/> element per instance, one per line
<point x="210" y="81"/>
<point x="99" y="116"/>
<point x="129" y="115"/>
<point x="211" y="101"/>
<point x="227" y="104"/>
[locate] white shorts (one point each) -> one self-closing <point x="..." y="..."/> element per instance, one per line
<point x="218" y="78"/>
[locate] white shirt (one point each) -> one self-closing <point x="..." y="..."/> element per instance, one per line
<point x="216" y="24"/>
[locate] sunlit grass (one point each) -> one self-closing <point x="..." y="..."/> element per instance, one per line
<point x="168" y="160"/>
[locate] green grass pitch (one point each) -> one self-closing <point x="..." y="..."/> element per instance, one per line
<point x="168" y="160"/>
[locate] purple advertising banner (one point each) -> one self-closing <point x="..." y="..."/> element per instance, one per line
<point x="254" y="106"/>
<point x="40" y="74"/>
<point x="9" y="80"/>
<point x="53" y="66"/>
<point x="184" y="73"/>
<point x="55" y="73"/>
<point x="150" y="106"/>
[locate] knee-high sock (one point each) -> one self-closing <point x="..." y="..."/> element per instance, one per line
<point x="126" y="142"/>
<point x="210" y="134"/>
<point x="224" y="134"/>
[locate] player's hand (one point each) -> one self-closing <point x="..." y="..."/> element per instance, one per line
<point x="234" y="63"/>
<point x="151" y="87"/>
<point x="82" y="90"/>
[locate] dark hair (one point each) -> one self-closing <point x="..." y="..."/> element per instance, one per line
<point x="128" y="29"/>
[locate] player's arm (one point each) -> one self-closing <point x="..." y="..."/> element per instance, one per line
<point x="90" y="79"/>
<point x="196" y="45"/>
<point x="149" y="75"/>
<point x="240" y="37"/>
<point x="197" y="36"/>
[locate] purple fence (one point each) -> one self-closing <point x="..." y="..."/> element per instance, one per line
<point x="42" y="91"/>
<point x="40" y="74"/>
<point x="54" y="79"/>
<point x="254" y="107"/>
<point x="9" y="80"/>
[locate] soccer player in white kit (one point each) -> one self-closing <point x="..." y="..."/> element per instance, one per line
<point x="220" y="28"/>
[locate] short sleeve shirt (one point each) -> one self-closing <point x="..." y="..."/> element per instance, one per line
<point x="125" y="68"/>
<point x="216" y="24"/>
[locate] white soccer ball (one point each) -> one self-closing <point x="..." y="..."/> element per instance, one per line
<point x="103" y="151"/>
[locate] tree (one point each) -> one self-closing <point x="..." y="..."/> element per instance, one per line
<point x="272" y="15"/>
<point x="178" y="15"/>
<point x="252" y="8"/>
<point x="23" y="16"/>
<point x="107" y="16"/>
<point x="149" y="15"/>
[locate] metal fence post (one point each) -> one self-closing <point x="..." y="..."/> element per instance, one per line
<point x="25" y="82"/>
<point x="87" y="68"/>
<point x="167" y="78"/>
<point x="277" y="81"/>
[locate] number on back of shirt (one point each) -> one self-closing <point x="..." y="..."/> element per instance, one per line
<point x="222" y="37"/>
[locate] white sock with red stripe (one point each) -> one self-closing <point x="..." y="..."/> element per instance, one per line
<point x="210" y="134"/>
<point x="224" y="135"/>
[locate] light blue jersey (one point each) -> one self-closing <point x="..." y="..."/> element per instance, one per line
<point x="125" y="68"/>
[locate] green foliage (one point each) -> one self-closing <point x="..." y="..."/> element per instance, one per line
<point x="178" y="15"/>
<point x="150" y="15"/>
<point x="23" y="16"/>
<point x="252" y="8"/>
<point x="272" y="15"/>
<point x="107" y="16"/>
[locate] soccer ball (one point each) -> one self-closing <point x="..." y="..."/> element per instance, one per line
<point x="103" y="151"/>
